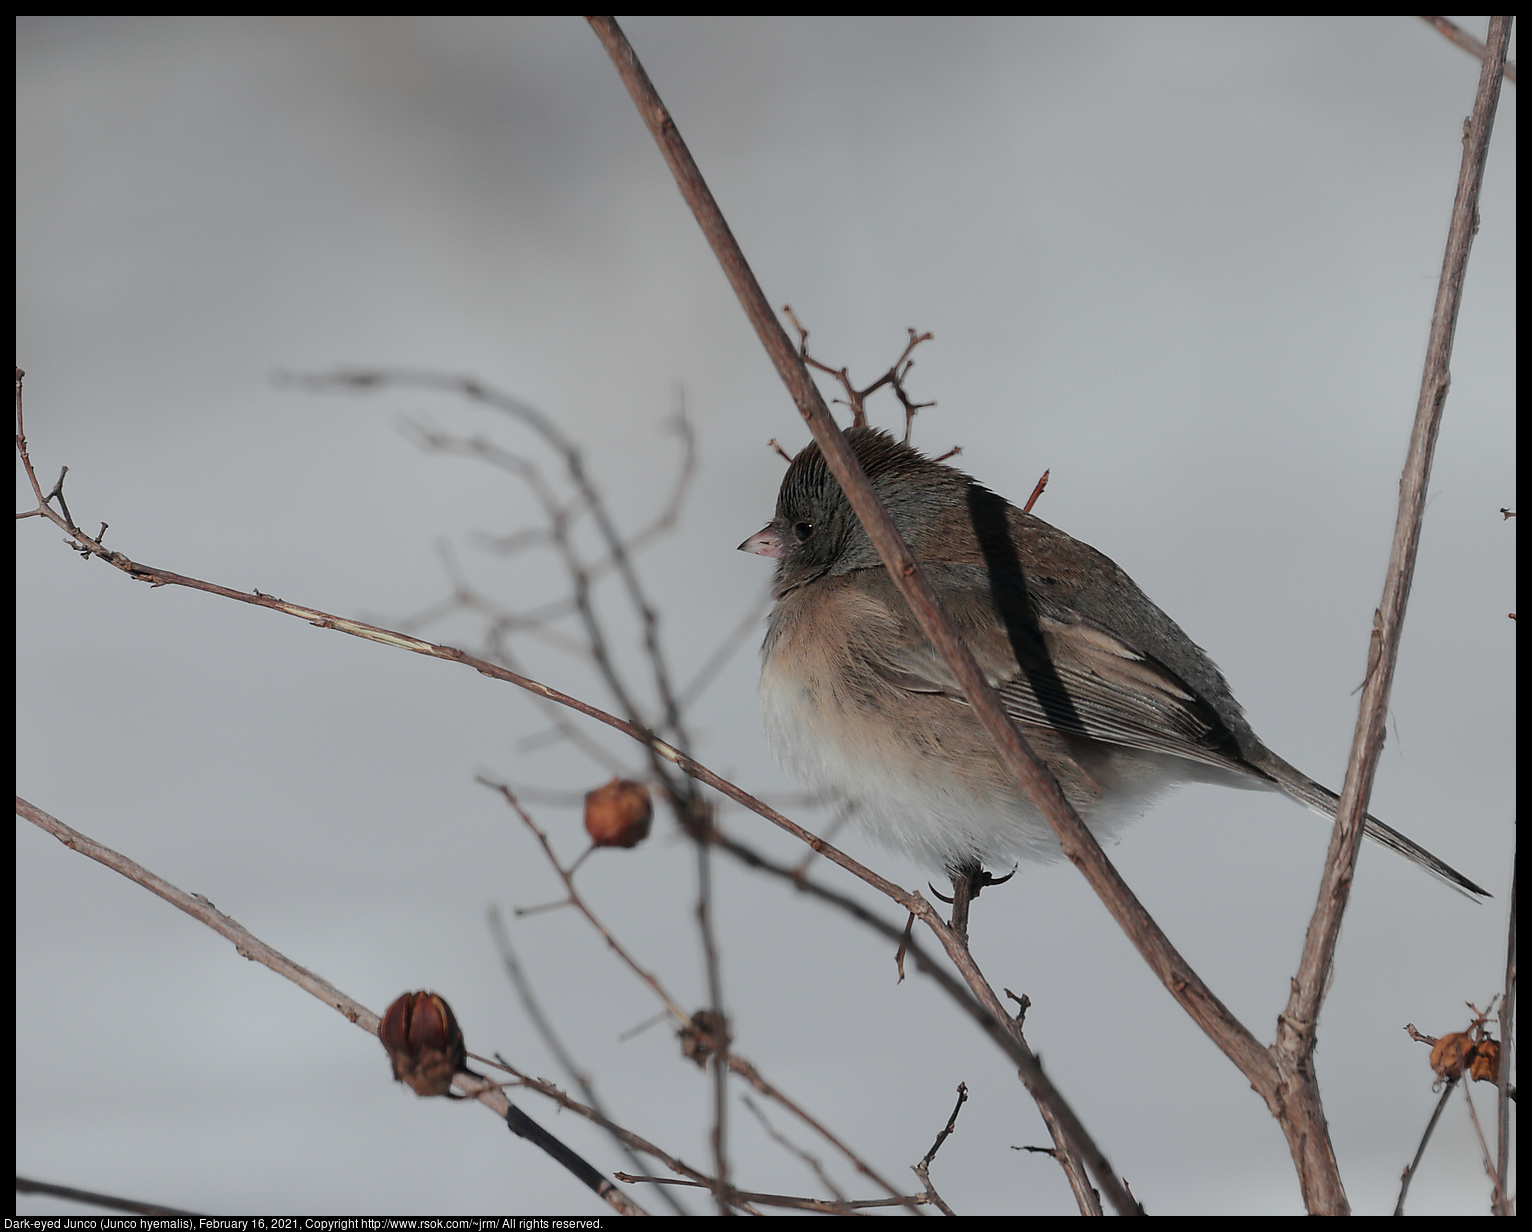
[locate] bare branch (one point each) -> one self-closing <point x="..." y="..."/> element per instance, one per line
<point x="574" y="899"/>
<point x="1078" y="844"/>
<point x="477" y="391"/>
<point x="810" y="1159"/>
<point x="753" y="1076"/>
<point x="1507" y="1040"/>
<point x="251" y="947"/>
<point x="856" y="398"/>
<point x="1294" y="1046"/>
<point x="736" y="1063"/>
<point x="109" y="1201"/>
<point x="627" y="1137"/>
<point x="742" y="1198"/>
<point x="555" y="1042"/>
<point x="1455" y="33"/>
<point x="989" y="1012"/>
<point x="923" y="1168"/>
<point x="1414" y="1165"/>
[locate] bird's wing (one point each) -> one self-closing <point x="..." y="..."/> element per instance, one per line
<point x="1053" y="668"/>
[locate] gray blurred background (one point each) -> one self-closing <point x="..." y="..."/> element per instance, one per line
<point x="1187" y="264"/>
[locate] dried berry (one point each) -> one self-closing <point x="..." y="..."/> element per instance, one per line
<point x="1451" y="1054"/>
<point x="1486" y="1061"/>
<point x="618" y="814"/>
<point x="423" y="1042"/>
<point x="700" y="1037"/>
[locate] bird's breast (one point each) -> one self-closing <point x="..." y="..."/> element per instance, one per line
<point x="832" y="718"/>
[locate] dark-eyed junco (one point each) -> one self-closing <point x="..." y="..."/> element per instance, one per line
<point x="1118" y="702"/>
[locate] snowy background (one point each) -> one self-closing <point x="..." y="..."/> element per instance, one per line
<point x="1187" y="264"/>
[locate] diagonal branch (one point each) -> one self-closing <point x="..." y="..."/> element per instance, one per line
<point x="1294" y="1046"/>
<point x="556" y="1043"/>
<point x="985" y="1008"/>
<point x="1388" y="620"/>
<point x="252" y="947"/>
<point x="1455" y="33"/>
<point x="736" y="1063"/>
<point x="1078" y="844"/>
<point x="1507" y="1041"/>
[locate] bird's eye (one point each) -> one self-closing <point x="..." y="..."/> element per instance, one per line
<point x="802" y="530"/>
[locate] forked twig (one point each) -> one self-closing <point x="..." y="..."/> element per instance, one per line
<point x="856" y="398"/>
<point x="923" y="1168"/>
<point x="736" y="1063"/>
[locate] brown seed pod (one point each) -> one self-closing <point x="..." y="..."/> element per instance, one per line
<point x="700" y="1037"/>
<point x="1486" y="1061"/>
<point x="424" y="1043"/>
<point x="1451" y="1054"/>
<point x="618" y="814"/>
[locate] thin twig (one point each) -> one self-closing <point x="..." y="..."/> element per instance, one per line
<point x="537" y="622"/>
<point x="1498" y="1198"/>
<point x="575" y="900"/>
<point x="555" y="1042"/>
<point x="1037" y="491"/>
<point x="693" y="1176"/>
<point x="923" y="1168"/>
<point x="1409" y="1173"/>
<point x="753" y="1076"/>
<point x="558" y="534"/>
<point x="812" y="1161"/>
<point x="734" y="1062"/>
<point x="92" y="1198"/>
<point x="702" y="841"/>
<point x="1507" y="1038"/>
<point x="201" y="909"/>
<point x="856" y="398"/>
<point x="640" y="1144"/>
<point x="1455" y="33"/>
<point x="477" y="391"/>
<point x="789" y="1201"/>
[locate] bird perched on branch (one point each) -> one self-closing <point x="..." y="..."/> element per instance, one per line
<point x="1108" y="690"/>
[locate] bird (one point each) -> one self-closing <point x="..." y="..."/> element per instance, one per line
<point x="1114" y="698"/>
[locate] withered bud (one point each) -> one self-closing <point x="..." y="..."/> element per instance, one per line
<point x="1451" y="1054"/>
<point x="700" y="1037"/>
<point x="618" y="814"/>
<point x="423" y="1042"/>
<point x="1486" y="1061"/>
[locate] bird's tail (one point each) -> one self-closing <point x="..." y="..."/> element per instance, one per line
<point x="1323" y="800"/>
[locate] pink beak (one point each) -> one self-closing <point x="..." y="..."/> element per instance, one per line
<point x="765" y="542"/>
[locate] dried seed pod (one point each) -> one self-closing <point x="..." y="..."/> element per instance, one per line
<point x="700" y="1037"/>
<point x="1486" y="1061"/>
<point x="618" y="814"/>
<point x="1451" y="1054"/>
<point x="424" y="1043"/>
